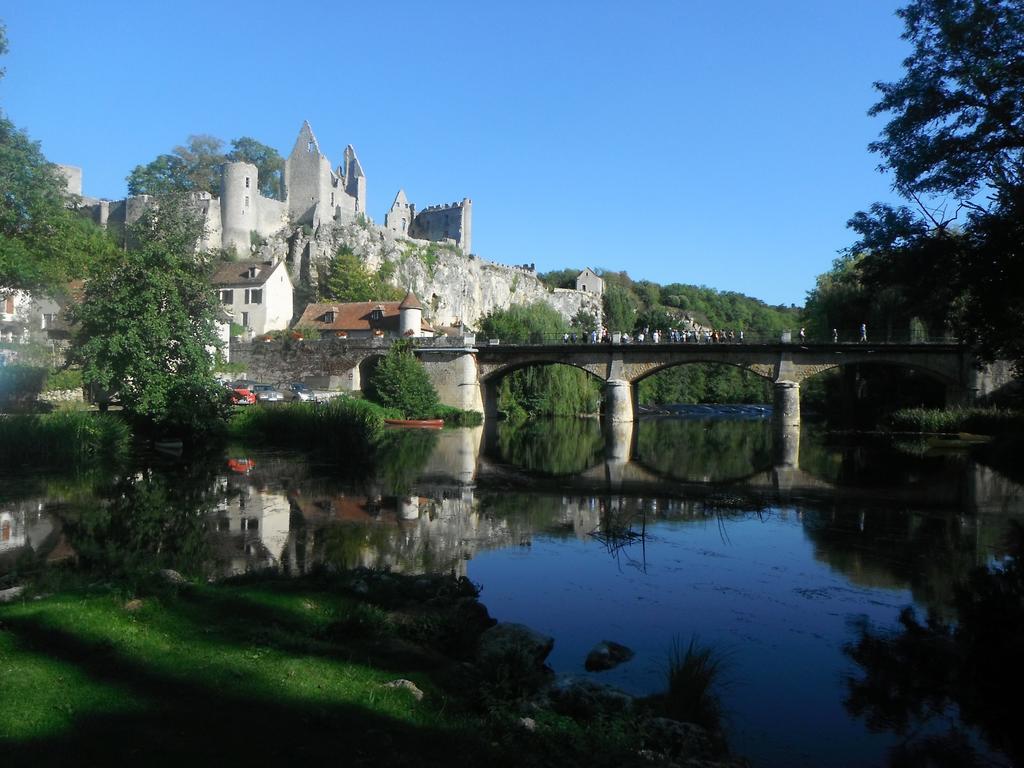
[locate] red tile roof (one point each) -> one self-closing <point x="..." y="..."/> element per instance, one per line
<point x="355" y="316"/>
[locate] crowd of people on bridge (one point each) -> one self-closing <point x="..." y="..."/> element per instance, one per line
<point x="657" y="336"/>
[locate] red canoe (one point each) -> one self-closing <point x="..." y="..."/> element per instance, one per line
<point x="416" y="423"/>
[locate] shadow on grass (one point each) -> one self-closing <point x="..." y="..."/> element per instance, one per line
<point x="184" y="715"/>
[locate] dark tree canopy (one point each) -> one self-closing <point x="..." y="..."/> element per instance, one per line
<point x="954" y="141"/>
<point x="956" y="115"/>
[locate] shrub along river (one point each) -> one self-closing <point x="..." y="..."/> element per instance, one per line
<point x="792" y="558"/>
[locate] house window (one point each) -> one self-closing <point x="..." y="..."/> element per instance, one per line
<point x="252" y="272"/>
<point x="377" y="314"/>
<point x="227" y="297"/>
<point x="246" y="201"/>
<point x="328" y="317"/>
<point x="246" y="182"/>
<point x="245" y="319"/>
<point x="332" y="198"/>
<point x="48" y="320"/>
<point x="253" y="295"/>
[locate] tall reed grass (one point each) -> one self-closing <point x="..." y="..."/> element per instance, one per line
<point x="979" y="421"/>
<point x="694" y="674"/>
<point x="63" y="438"/>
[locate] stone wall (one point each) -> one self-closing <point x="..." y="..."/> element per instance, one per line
<point x="440" y="223"/>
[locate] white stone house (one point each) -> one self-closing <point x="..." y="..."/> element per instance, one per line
<point x="257" y="295"/>
<point x="588" y="280"/>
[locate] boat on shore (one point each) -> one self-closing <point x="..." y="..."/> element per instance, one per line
<point x="415" y="423"/>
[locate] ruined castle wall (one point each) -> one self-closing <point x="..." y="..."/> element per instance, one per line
<point x="271" y="215"/>
<point x="308" y="180"/>
<point x="213" y="231"/>
<point x="444" y="222"/>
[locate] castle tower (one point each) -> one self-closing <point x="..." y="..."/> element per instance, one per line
<point x="355" y="179"/>
<point x="307" y="177"/>
<point x="400" y="217"/>
<point x="239" y="183"/>
<point x="410" y="316"/>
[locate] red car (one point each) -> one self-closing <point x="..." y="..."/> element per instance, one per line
<point x="241" y="395"/>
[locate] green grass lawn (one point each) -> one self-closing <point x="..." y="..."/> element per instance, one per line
<point x="232" y="673"/>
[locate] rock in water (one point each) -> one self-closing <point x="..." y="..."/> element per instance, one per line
<point x="607" y="655"/>
<point x="504" y="640"/>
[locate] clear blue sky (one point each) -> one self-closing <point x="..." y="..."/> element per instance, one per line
<point x="713" y="143"/>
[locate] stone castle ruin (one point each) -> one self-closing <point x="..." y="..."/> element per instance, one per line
<point x="315" y="194"/>
<point x="425" y="250"/>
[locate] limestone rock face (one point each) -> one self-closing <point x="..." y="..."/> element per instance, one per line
<point x="453" y="287"/>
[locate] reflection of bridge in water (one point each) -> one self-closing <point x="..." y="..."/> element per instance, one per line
<point x="976" y="488"/>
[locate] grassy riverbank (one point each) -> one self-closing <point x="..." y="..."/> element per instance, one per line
<point x="269" y="669"/>
<point x="63" y="439"/>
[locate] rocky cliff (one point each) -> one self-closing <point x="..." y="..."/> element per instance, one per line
<point x="453" y="287"/>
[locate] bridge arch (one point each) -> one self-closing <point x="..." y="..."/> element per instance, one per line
<point x="641" y="371"/>
<point x="491" y="380"/>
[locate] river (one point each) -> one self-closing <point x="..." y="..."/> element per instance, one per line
<point x="702" y="523"/>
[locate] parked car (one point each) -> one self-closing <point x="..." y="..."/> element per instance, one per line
<point x="297" y="390"/>
<point x="241" y="395"/>
<point x="266" y="393"/>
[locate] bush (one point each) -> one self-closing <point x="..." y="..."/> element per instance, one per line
<point x="454" y="417"/>
<point x="401" y="382"/>
<point x="342" y="428"/>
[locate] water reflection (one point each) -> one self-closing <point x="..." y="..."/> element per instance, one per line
<point x="769" y="542"/>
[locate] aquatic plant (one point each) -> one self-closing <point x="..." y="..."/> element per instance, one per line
<point x="694" y="674"/>
<point x="63" y="438"/>
<point x="981" y="421"/>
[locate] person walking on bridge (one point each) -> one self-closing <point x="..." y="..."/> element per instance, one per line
<point x="864" y="332"/>
<point x="835" y="335"/>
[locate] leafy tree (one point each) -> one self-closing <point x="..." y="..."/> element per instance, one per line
<point x="401" y="382"/>
<point x="955" y="124"/>
<point x="269" y="164"/>
<point x="620" y="307"/>
<point x="42" y="243"/>
<point x="147" y="326"/>
<point x="559" y="278"/>
<point x="521" y="323"/>
<point x="347" y="279"/>
<point x="954" y="130"/>
<point x="194" y="167"/>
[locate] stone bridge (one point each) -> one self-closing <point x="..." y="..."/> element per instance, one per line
<point x="623" y="366"/>
<point x="466" y="375"/>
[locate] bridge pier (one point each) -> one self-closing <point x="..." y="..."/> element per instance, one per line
<point x="786" y="410"/>
<point x="618" y="401"/>
<point x="618" y="450"/>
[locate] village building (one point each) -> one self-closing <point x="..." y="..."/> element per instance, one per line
<point x="367" y="319"/>
<point x="257" y="295"/>
<point x="590" y="282"/>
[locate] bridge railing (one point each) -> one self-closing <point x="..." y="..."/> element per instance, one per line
<point x="719" y="338"/>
